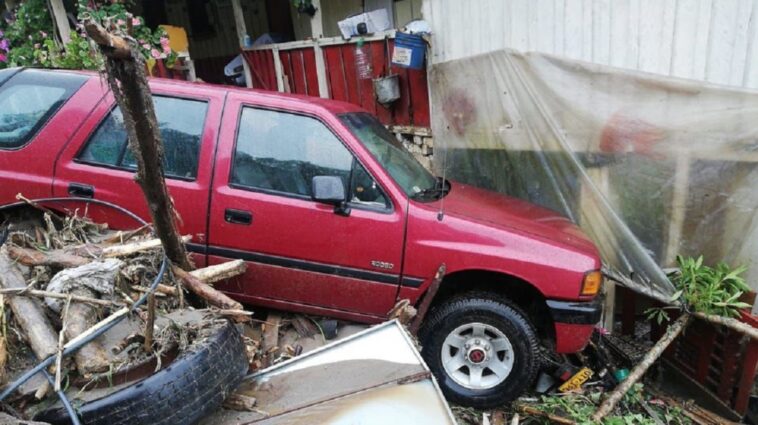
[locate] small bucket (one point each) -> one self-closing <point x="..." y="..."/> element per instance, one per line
<point x="387" y="89"/>
<point x="409" y="51"/>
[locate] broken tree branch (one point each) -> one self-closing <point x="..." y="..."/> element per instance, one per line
<point x="23" y="292"/>
<point x="219" y="272"/>
<point x="618" y="393"/>
<point x="55" y="258"/>
<point x="61" y="342"/>
<point x="213" y="296"/>
<point x="125" y="68"/>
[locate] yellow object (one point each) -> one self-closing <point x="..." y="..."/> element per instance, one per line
<point x="177" y="37"/>
<point x="576" y="381"/>
<point x="592" y="283"/>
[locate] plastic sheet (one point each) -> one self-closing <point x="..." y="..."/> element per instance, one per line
<point x="649" y="166"/>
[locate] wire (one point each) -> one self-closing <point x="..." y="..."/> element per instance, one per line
<point x="75" y="347"/>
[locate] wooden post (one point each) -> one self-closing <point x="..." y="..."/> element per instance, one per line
<point x="317" y="31"/>
<point x="126" y="76"/>
<point x="239" y="22"/>
<point x="61" y="20"/>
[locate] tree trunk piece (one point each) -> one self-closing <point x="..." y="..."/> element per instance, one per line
<point x="92" y="358"/>
<point x="28" y="313"/>
<point x="126" y="75"/>
<point x="636" y="374"/>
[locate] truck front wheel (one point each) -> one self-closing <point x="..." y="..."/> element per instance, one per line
<point x="482" y="350"/>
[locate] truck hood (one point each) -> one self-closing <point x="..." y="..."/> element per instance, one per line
<point x="506" y="212"/>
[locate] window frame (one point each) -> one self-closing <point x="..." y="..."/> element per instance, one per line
<point x="389" y="208"/>
<point x="77" y="156"/>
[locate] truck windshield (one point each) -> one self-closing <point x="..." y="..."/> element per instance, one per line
<point x="399" y="163"/>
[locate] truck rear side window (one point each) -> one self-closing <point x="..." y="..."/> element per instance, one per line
<point x="28" y="99"/>
<point x="181" y="123"/>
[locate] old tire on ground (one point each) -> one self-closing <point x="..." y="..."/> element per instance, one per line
<point x="193" y="386"/>
<point x="482" y="350"/>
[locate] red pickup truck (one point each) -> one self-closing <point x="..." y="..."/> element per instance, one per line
<point x="332" y="215"/>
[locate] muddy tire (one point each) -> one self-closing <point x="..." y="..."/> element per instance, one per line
<point x="193" y="386"/>
<point x="482" y="349"/>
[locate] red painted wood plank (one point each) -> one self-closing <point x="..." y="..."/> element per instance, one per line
<point x="729" y="370"/>
<point x="311" y="76"/>
<point x="351" y="78"/>
<point x="706" y="340"/>
<point x="335" y="73"/>
<point x="749" y="366"/>
<point x="298" y="73"/>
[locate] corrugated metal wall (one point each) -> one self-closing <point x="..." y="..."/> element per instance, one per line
<point x="711" y="40"/>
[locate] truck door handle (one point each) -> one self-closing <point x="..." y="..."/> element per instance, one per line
<point x="81" y="190"/>
<point x="238" y="216"/>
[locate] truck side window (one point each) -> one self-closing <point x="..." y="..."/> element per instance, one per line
<point x="181" y="123"/>
<point x="282" y="152"/>
<point x="28" y="99"/>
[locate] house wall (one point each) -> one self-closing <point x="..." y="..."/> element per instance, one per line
<point x="715" y="41"/>
<point x="223" y="42"/>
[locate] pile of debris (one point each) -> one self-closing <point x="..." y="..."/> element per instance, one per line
<point x="70" y="282"/>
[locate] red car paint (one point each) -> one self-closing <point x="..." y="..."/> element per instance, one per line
<point x="301" y="255"/>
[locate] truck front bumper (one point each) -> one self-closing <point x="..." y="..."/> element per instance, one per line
<point x="574" y="323"/>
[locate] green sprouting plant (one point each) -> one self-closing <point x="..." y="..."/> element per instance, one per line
<point x="630" y="411"/>
<point x="709" y="290"/>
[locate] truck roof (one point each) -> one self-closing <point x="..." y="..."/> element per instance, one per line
<point x="334" y="106"/>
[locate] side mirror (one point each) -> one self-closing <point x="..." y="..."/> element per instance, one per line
<point x="330" y="190"/>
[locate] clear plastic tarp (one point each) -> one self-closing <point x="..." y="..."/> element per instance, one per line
<point x="649" y="166"/>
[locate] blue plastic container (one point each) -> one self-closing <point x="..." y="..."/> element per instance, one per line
<point x="409" y="52"/>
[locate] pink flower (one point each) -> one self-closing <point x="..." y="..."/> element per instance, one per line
<point x="155" y="54"/>
<point x="43" y="34"/>
<point x="136" y="22"/>
<point x="167" y="49"/>
<point x="3" y="58"/>
<point x="5" y="44"/>
<point x="121" y="22"/>
<point x="164" y="41"/>
<point x="146" y="46"/>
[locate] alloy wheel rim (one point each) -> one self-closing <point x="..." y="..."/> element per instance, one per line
<point x="477" y="356"/>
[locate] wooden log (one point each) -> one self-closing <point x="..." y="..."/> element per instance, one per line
<point x="270" y="338"/>
<point x="125" y="70"/>
<point x="213" y="296"/>
<point x="636" y="374"/>
<point x="221" y="271"/>
<point x="55" y="258"/>
<point x="28" y="313"/>
<point x="91" y="358"/>
<point x="240" y="403"/>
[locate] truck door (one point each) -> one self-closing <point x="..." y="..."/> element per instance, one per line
<point x="98" y="164"/>
<point x="301" y="254"/>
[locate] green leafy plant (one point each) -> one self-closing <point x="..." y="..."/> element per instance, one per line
<point x="115" y="16"/>
<point x="630" y="411"/>
<point x="709" y="290"/>
<point x="25" y="31"/>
